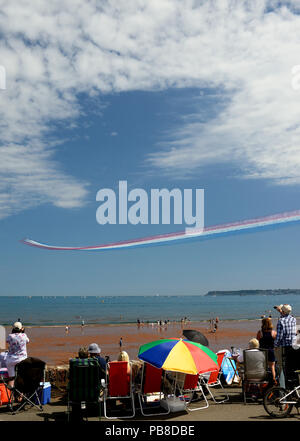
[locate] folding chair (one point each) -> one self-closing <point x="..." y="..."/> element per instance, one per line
<point x="192" y="384"/>
<point x="5" y="394"/>
<point x="151" y="383"/>
<point x="255" y="372"/>
<point x="118" y="386"/>
<point x="28" y="384"/>
<point x="84" y="386"/>
<point x="214" y="379"/>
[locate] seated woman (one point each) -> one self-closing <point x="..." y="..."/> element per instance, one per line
<point x="256" y="365"/>
<point x="123" y="356"/>
<point x="83" y="353"/>
<point x="17" y="350"/>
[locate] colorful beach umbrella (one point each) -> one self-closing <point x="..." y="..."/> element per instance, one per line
<point x="178" y="355"/>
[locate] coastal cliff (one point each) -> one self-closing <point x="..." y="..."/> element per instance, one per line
<point x="255" y="292"/>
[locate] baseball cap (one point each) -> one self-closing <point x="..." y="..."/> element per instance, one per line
<point x="17" y="325"/>
<point x="94" y="348"/>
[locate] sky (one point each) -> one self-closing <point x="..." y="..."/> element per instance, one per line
<point x="162" y="94"/>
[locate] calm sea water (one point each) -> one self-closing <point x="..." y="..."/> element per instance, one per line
<point x="106" y="310"/>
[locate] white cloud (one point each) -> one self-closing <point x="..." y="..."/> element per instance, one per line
<point x="54" y="50"/>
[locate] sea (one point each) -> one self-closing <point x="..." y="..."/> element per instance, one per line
<point x="71" y="310"/>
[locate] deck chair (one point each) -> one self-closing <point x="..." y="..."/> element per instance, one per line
<point x="28" y="384"/>
<point x="118" y="386"/>
<point x="192" y="384"/>
<point x="84" y="386"/>
<point x="151" y="383"/>
<point x="255" y="372"/>
<point x="214" y="379"/>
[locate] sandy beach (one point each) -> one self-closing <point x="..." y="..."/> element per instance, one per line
<point x="55" y="346"/>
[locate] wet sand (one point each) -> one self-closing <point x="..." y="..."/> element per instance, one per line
<point x="55" y="346"/>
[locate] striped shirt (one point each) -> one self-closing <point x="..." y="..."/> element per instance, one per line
<point x="286" y="331"/>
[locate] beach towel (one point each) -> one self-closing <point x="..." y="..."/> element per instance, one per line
<point x="227" y="369"/>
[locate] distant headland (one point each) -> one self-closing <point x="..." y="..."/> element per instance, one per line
<point x="254" y="292"/>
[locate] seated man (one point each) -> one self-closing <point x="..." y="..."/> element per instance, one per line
<point x="94" y="352"/>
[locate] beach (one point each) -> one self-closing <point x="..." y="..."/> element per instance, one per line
<point x="56" y="346"/>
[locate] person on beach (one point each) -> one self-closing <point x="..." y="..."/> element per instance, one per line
<point x="17" y="349"/>
<point x="121" y="343"/>
<point x="123" y="356"/>
<point x="286" y="327"/>
<point x="266" y="337"/>
<point x="94" y="352"/>
<point x="253" y="345"/>
<point x="286" y="333"/>
<point x="83" y="353"/>
<point x="216" y="324"/>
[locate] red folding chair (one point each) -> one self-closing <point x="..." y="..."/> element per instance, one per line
<point x="214" y="379"/>
<point x="192" y="385"/>
<point x="151" y="383"/>
<point x="118" y="387"/>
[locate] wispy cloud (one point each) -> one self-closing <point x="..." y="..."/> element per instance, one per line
<point x="251" y="57"/>
<point x="54" y="51"/>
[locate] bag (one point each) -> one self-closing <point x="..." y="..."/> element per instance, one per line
<point x="174" y="403"/>
<point x="4" y="394"/>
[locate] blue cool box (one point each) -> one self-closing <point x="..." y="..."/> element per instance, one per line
<point x="45" y="394"/>
<point x="3" y="371"/>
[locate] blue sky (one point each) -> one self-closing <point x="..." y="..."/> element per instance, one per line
<point x="159" y="96"/>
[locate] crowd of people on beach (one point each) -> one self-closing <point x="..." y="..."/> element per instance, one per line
<point x="286" y="335"/>
<point x="161" y="323"/>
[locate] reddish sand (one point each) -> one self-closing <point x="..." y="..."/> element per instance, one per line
<point x="53" y="345"/>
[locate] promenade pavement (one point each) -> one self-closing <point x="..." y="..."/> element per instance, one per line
<point x="232" y="410"/>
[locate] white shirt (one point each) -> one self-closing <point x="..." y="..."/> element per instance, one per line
<point x="296" y="340"/>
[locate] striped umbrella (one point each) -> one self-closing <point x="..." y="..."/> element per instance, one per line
<point x="178" y="355"/>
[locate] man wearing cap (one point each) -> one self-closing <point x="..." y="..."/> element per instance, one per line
<point x="286" y="327"/>
<point x="94" y="352"/>
<point x="286" y="333"/>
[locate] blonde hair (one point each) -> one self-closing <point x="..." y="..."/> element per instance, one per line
<point x="253" y="343"/>
<point x="123" y="356"/>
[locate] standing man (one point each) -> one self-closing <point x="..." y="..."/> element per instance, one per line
<point x="286" y="333"/>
